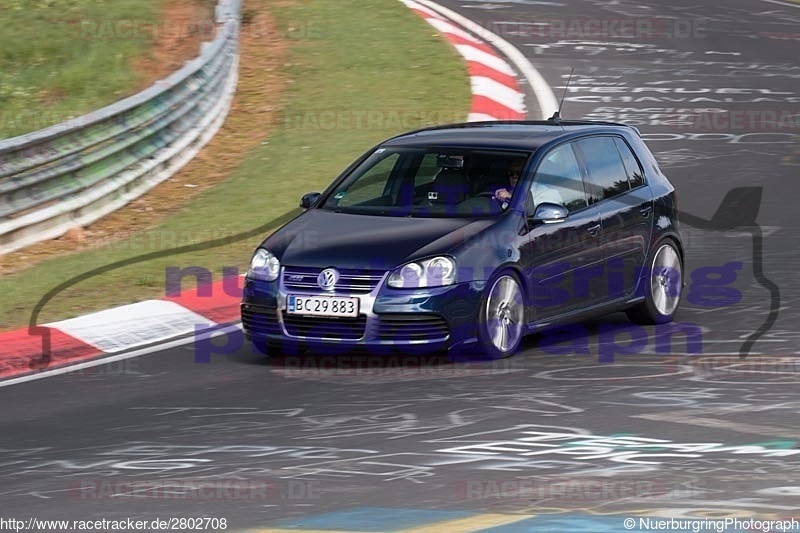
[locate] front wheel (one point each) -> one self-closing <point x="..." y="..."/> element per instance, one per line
<point x="502" y="317"/>
<point x="663" y="286"/>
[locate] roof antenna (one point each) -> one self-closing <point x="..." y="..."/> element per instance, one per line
<point x="557" y="115"/>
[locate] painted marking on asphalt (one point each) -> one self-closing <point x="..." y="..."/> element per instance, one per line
<point x="484" y="522"/>
<point x="570" y="523"/>
<point x="782" y="3"/>
<point x="374" y="519"/>
<point x="690" y="419"/>
<point x="295" y="530"/>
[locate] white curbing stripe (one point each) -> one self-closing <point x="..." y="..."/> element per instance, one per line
<point x="479" y="117"/>
<point x="131" y="326"/>
<point x="494" y="62"/>
<point x="498" y="92"/>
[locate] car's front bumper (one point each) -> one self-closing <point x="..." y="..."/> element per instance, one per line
<point x="389" y="320"/>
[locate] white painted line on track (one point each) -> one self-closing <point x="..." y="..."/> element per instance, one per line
<point x="782" y="3"/>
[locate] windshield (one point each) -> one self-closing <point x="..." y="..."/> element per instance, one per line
<point x="430" y="183"/>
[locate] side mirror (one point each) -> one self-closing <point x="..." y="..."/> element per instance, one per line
<point x="308" y="200"/>
<point x="547" y="213"/>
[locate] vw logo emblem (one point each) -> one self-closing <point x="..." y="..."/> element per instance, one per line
<point x="327" y="279"/>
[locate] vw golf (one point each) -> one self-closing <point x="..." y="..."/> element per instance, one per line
<point x="467" y="237"/>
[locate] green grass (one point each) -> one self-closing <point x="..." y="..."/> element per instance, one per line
<point x="371" y="59"/>
<point x="64" y="58"/>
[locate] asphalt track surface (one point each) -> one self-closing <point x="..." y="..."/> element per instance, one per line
<point x="560" y="436"/>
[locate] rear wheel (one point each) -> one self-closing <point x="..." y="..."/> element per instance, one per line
<point x="502" y="317"/>
<point x="663" y="287"/>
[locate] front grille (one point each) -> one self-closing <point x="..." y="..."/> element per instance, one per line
<point x="350" y="281"/>
<point x="319" y="327"/>
<point x="260" y="319"/>
<point x="407" y="327"/>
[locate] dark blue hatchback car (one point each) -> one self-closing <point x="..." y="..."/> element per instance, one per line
<point x="468" y="237"/>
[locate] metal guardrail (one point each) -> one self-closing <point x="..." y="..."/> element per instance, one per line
<point x="76" y="172"/>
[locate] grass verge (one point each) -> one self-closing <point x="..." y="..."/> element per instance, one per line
<point x="49" y="70"/>
<point x="63" y="58"/>
<point x="359" y="72"/>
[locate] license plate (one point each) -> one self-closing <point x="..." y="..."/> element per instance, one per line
<point x="322" y="305"/>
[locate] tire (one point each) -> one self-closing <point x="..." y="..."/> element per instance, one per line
<point x="501" y="321"/>
<point x="663" y="286"/>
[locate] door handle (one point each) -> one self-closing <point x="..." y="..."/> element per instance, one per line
<point x="593" y="230"/>
<point x="645" y="211"/>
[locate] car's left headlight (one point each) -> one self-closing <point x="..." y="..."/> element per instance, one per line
<point x="434" y="272"/>
<point x="264" y="265"/>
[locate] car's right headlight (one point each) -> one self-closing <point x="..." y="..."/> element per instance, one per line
<point x="264" y="266"/>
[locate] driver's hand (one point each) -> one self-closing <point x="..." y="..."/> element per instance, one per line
<point x="502" y="194"/>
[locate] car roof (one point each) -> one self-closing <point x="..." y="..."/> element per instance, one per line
<point x="503" y="135"/>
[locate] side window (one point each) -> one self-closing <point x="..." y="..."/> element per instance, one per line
<point x="632" y="167"/>
<point x="607" y="176"/>
<point x="427" y="170"/>
<point x="371" y="185"/>
<point x="558" y="179"/>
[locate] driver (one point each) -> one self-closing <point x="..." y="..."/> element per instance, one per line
<point x="504" y="194"/>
